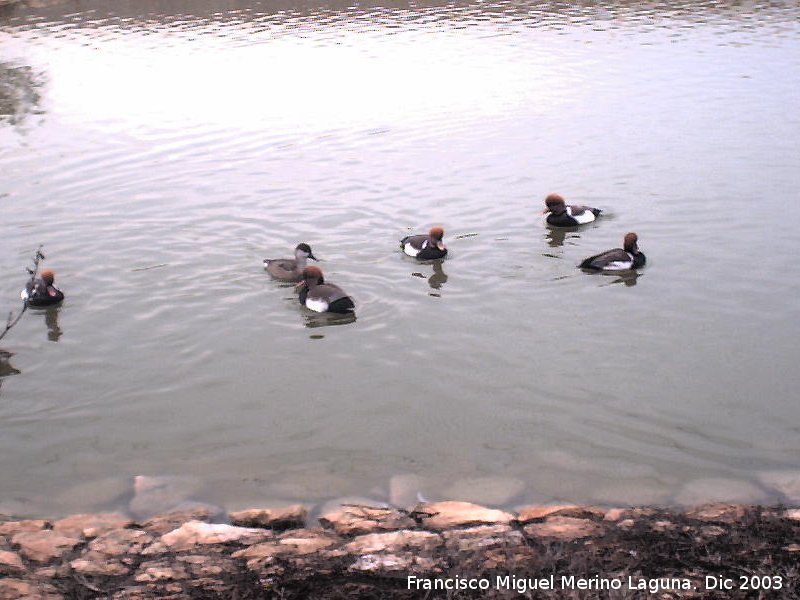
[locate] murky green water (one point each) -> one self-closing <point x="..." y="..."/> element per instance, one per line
<point x="160" y="154"/>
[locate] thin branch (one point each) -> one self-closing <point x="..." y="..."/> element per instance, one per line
<point x="12" y="320"/>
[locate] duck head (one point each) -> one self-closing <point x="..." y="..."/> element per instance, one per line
<point x="303" y="251"/>
<point x="555" y="204"/>
<point x="630" y="244"/>
<point x="436" y="234"/>
<point x="48" y="276"/>
<point x="312" y="276"/>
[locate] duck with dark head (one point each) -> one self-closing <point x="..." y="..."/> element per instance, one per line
<point x="41" y="291"/>
<point x="425" y="247"/>
<point x="319" y="296"/>
<point x="617" y="259"/>
<point x="290" y="269"/>
<point x="561" y="214"/>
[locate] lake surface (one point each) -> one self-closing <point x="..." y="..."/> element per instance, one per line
<point x="160" y="151"/>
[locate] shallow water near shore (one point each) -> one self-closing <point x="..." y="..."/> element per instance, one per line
<point x="160" y="154"/>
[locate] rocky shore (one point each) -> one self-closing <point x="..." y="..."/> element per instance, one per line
<point x="434" y="550"/>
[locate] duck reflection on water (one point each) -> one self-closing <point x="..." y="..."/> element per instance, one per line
<point x="54" y="331"/>
<point x="314" y="320"/>
<point x="6" y="368"/>
<point x="437" y="279"/>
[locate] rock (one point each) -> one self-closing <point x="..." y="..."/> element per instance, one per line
<point x="196" y="533"/>
<point x="10" y="528"/>
<point x="785" y="482"/>
<point x="486" y="490"/>
<point x="273" y="518"/>
<point x="43" y="546"/>
<point x="626" y="523"/>
<point x="10" y="563"/>
<point x="307" y="541"/>
<point x="337" y="503"/>
<point x="394" y="541"/>
<point x="355" y="520"/>
<point x="712" y="530"/>
<point x="404" y="490"/>
<point x="298" y="542"/>
<point x="120" y="542"/>
<point x="536" y="513"/>
<point x="615" y="514"/>
<point x="720" y="490"/>
<point x="793" y="514"/>
<point x="375" y="563"/>
<point x="448" y="514"/>
<point x="163" y="570"/>
<point x="564" y="529"/>
<point x="718" y="511"/>
<point x="155" y="495"/>
<point x="97" y="564"/>
<point x="17" y="589"/>
<point x="163" y="523"/>
<point x="90" y="525"/>
<point x="478" y="539"/>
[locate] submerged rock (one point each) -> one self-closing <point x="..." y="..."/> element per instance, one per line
<point x="785" y="482"/>
<point x="155" y="495"/>
<point x="405" y="490"/>
<point x="486" y="490"/>
<point x="719" y="489"/>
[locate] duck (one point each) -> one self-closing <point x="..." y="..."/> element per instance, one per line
<point x="290" y="269"/>
<point x="322" y="297"/>
<point x="561" y="214"/>
<point x="425" y="247"/>
<point x="41" y="291"/>
<point x="618" y="259"/>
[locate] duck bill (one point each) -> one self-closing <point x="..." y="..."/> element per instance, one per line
<point x="312" y="257"/>
<point x="440" y="246"/>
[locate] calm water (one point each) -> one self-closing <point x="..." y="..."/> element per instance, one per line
<point x="160" y="151"/>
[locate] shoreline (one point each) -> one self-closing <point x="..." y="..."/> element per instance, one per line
<point x="434" y="550"/>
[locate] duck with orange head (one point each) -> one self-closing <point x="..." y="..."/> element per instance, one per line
<point x="425" y="247"/>
<point x="618" y="259"/>
<point x="561" y="214"/>
<point x="318" y="295"/>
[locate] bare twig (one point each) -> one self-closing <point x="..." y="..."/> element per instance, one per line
<point x="12" y="320"/>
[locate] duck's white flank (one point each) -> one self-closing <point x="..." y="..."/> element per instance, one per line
<point x="317" y="304"/>
<point x="586" y="217"/>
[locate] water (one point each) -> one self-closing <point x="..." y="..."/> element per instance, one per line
<point x="160" y="155"/>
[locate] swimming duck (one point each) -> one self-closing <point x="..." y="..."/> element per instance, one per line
<point x="618" y="259"/>
<point x="425" y="247"/>
<point x="290" y="269"/>
<point x="562" y="214"/>
<point x="322" y="297"/>
<point x="40" y="291"/>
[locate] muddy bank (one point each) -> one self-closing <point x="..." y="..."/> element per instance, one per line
<point x="435" y="550"/>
